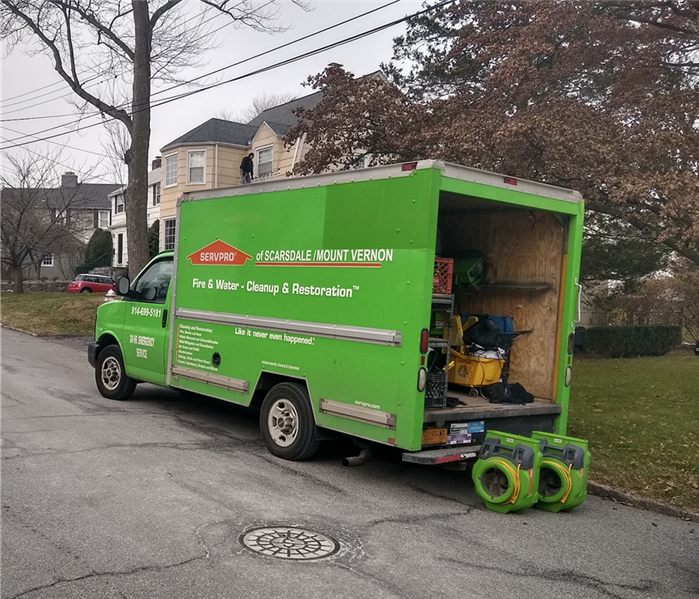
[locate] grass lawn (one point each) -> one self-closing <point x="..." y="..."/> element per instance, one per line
<point x="641" y="416"/>
<point x="51" y="313"/>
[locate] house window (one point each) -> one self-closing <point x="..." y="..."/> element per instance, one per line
<point x="264" y="162"/>
<point x="359" y="162"/>
<point x="119" y="203"/>
<point x="47" y="261"/>
<point x="120" y="248"/>
<point x="58" y="217"/>
<point x="169" y="234"/>
<point x="156" y="194"/>
<point x="171" y="170"/>
<point x="195" y="166"/>
<point x="103" y="219"/>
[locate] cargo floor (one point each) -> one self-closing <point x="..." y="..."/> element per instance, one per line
<point x="479" y="408"/>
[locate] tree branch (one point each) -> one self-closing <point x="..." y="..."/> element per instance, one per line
<point x="638" y="223"/>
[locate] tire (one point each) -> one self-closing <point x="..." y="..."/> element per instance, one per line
<point x="86" y="290"/>
<point x="110" y="375"/>
<point x="287" y="424"/>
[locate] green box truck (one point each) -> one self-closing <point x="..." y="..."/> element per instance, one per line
<point x="312" y="299"/>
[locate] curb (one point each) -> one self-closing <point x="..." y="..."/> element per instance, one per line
<point x="5" y="326"/>
<point x="606" y="492"/>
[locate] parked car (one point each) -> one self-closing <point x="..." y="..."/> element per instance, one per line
<point x="696" y="349"/>
<point x="89" y="283"/>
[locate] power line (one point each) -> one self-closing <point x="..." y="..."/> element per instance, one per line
<point x="65" y="145"/>
<point x="66" y="166"/>
<point x="125" y="106"/>
<point x="101" y="75"/>
<point x="258" y="71"/>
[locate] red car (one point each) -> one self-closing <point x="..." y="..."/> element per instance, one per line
<point x="89" y="283"/>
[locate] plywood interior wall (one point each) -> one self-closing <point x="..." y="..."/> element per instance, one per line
<point x="522" y="247"/>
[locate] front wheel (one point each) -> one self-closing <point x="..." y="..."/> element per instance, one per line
<point x="110" y="375"/>
<point x="286" y="421"/>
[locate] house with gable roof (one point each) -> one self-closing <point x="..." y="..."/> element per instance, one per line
<point x="58" y="220"/>
<point x="209" y="156"/>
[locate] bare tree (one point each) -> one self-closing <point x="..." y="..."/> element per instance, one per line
<point x="258" y="105"/>
<point x="39" y="218"/>
<point x="100" y="47"/>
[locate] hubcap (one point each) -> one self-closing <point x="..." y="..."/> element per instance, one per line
<point x="283" y="423"/>
<point x="111" y="373"/>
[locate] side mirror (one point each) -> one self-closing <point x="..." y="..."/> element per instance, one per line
<point x="123" y="285"/>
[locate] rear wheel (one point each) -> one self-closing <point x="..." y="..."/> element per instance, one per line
<point x="286" y="421"/>
<point x="86" y="290"/>
<point x="110" y="375"/>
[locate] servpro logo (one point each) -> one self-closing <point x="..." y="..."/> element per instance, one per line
<point x="219" y="253"/>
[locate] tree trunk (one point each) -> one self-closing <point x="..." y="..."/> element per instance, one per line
<point x="136" y="200"/>
<point x="18" y="280"/>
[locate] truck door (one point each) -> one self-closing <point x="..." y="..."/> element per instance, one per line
<point x="146" y="323"/>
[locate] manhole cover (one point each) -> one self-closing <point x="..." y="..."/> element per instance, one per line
<point x="287" y="542"/>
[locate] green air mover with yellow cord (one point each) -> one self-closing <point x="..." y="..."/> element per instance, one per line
<point x="506" y="475"/>
<point x="563" y="475"/>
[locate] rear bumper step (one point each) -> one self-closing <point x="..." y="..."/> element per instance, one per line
<point x="432" y="457"/>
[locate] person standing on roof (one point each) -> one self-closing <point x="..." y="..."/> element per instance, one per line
<point x="246" y="167"/>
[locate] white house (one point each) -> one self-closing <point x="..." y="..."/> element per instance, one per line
<point x="118" y="214"/>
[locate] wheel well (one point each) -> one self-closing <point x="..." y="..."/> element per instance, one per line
<point x="268" y="380"/>
<point x="104" y="341"/>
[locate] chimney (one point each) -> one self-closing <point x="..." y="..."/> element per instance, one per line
<point x="157" y="163"/>
<point x="69" y="180"/>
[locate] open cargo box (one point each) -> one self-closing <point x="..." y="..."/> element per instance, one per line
<point x="527" y="253"/>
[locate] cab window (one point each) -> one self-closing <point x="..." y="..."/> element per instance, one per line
<point x="153" y="284"/>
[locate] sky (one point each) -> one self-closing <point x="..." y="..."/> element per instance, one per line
<point x="31" y="88"/>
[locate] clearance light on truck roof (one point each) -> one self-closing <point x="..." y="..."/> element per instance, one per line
<point x="424" y="340"/>
<point x="408" y="166"/>
<point x="510" y="180"/>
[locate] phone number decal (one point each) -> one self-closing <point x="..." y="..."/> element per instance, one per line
<point x="143" y="311"/>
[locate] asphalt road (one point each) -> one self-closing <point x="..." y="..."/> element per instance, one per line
<point x="149" y="498"/>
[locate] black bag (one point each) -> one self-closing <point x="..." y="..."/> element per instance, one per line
<point x="485" y="333"/>
<point x="496" y="393"/>
<point x="506" y="393"/>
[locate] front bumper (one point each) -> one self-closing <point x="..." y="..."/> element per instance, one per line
<point x="92" y="351"/>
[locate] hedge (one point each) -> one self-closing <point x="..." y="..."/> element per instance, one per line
<point x="632" y="340"/>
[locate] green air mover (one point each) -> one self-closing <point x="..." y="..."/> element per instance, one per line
<point x="506" y="474"/>
<point x="470" y="269"/>
<point x="563" y="475"/>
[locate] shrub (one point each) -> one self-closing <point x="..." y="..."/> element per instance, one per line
<point x="99" y="249"/>
<point x="154" y="239"/>
<point x="632" y="340"/>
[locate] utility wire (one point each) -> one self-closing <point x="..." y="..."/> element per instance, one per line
<point x="124" y="106"/>
<point x="8" y="103"/>
<point x="256" y="72"/>
<point x="63" y="145"/>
